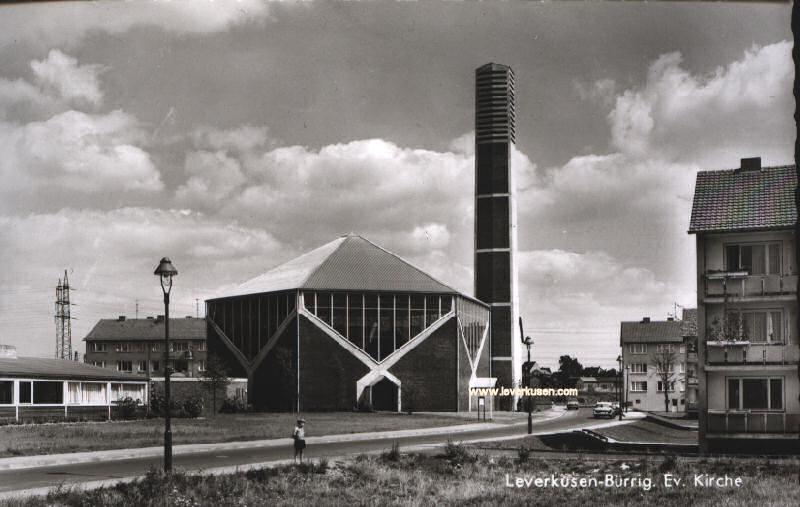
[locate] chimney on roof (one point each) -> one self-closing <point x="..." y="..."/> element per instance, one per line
<point x="751" y="164"/>
<point x="121" y="318"/>
<point x="645" y="320"/>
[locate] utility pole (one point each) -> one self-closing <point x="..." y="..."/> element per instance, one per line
<point x="63" y="320"/>
<point x="197" y="307"/>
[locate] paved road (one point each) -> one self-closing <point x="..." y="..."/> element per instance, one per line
<point x="13" y="480"/>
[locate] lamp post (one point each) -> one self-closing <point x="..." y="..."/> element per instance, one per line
<point x="165" y="271"/>
<point x="528" y="341"/>
<point x="619" y="386"/>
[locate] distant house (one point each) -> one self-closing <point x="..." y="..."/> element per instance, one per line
<point x="36" y="388"/>
<point x="597" y="385"/>
<point x="136" y="346"/>
<point x="641" y="342"/>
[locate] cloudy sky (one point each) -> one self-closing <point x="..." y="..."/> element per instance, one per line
<point x="233" y="136"/>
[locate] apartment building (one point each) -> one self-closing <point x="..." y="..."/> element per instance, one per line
<point x="646" y="346"/>
<point x="743" y="221"/>
<point x="137" y="346"/>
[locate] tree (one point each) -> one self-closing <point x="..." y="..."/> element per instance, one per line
<point x="664" y="361"/>
<point x="568" y="369"/>
<point x="729" y="329"/>
<point x="215" y="378"/>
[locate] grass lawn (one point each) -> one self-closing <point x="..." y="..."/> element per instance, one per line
<point x="455" y="478"/>
<point x="646" y="431"/>
<point x="33" y="439"/>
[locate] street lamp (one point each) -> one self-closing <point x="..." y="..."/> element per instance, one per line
<point x="165" y="271"/>
<point x="528" y="341"/>
<point x="619" y="386"/>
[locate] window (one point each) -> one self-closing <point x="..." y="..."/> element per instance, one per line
<point x="101" y="364"/>
<point x="638" y="367"/>
<point x="755" y="258"/>
<point x="755" y="393"/>
<point x="125" y="366"/>
<point x="156" y="347"/>
<point x="155" y="366"/>
<point x="201" y="366"/>
<point x="141" y="366"/>
<point x="48" y="393"/>
<point x="178" y="346"/>
<point x="666" y="347"/>
<point x="763" y="326"/>
<point x="660" y="387"/>
<point x="201" y="346"/>
<point x="6" y="392"/>
<point x="97" y="347"/>
<point x="637" y="348"/>
<point x="124" y="347"/>
<point x="179" y="365"/>
<point x="25" y="391"/>
<point x="86" y="393"/>
<point x="638" y="386"/>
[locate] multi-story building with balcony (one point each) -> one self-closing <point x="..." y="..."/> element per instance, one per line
<point x="137" y="346"/>
<point x="643" y="342"/>
<point x="691" y="383"/>
<point x="743" y="220"/>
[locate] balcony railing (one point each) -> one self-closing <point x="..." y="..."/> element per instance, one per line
<point x="746" y="353"/>
<point x="746" y="285"/>
<point x="745" y="421"/>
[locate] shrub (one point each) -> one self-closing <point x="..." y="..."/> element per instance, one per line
<point x="669" y="463"/>
<point x="126" y="408"/>
<point x="392" y="454"/>
<point x="183" y="403"/>
<point x="193" y="407"/>
<point x="523" y="453"/>
<point x="233" y="406"/>
<point x="457" y="453"/>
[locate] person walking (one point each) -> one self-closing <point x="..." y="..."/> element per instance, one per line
<point x="299" y="436"/>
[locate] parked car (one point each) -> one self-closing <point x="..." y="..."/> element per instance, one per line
<point x="573" y="405"/>
<point x="603" y="409"/>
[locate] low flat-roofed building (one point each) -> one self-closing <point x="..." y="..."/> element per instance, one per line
<point x="36" y="388"/>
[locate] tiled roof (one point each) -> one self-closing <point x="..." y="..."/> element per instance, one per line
<point x="37" y="367"/>
<point x="657" y="331"/>
<point x="147" y="329"/>
<point x="349" y="263"/>
<point x="689" y="322"/>
<point x="736" y="200"/>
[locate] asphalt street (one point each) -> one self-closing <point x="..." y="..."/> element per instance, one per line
<point x="12" y="480"/>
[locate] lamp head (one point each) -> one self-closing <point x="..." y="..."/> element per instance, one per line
<point x="165" y="271"/>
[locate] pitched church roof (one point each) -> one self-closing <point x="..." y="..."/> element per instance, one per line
<point x="348" y="263"/>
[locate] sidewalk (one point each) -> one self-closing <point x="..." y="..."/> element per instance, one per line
<point x="22" y="462"/>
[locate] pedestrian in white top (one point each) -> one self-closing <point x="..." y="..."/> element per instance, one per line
<point x="299" y="436"/>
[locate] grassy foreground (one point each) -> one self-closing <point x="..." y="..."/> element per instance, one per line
<point x="455" y="478"/>
<point x="35" y="439"/>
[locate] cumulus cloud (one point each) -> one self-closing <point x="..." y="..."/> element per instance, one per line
<point x="70" y="22"/>
<point x="62" y="73"/>
<point x="678" y="115"/>
<point x="58" y="83"/>
<point x="212" y="176"/>
<point x="78" y="151"/>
